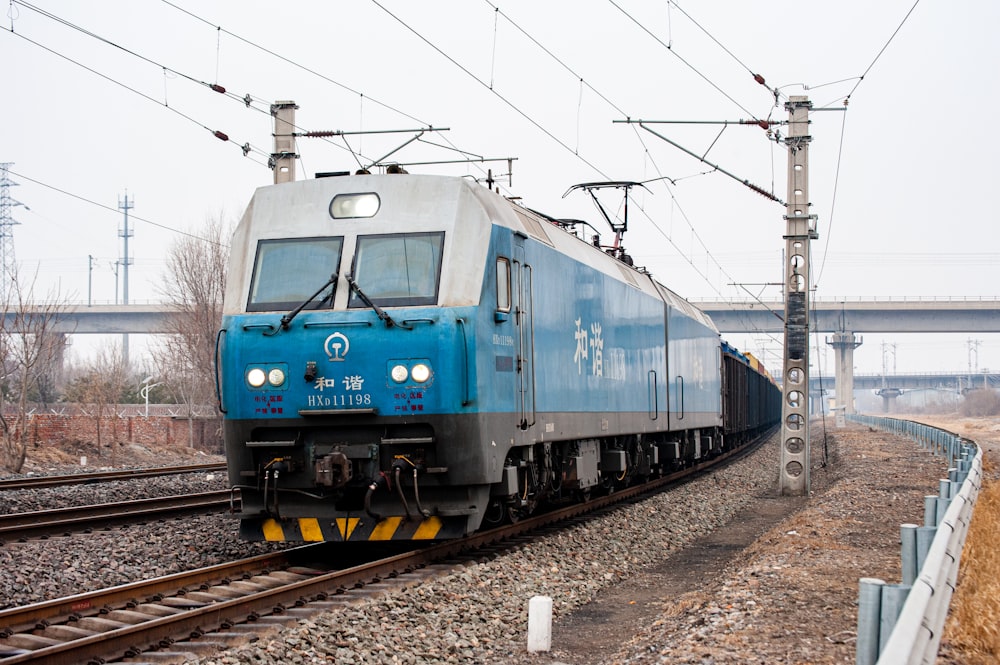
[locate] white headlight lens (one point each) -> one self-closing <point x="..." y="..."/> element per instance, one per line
<point x="420" y="372"/>
<point x="256" y="377"/>
<point x="399" y="373"/>
<point x="346" y="206"/>
<point x="276" y="377"/>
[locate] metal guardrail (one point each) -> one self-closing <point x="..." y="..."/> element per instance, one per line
<point x="901" y="624"/>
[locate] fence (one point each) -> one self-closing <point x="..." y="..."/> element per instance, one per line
<point x="902" y="623"/>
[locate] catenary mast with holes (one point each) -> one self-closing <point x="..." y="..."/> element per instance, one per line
<point x="799" y="230"/>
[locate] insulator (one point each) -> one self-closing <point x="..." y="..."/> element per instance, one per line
<point x="217" y="88"/>
<point x="759" y="79"/>
<point x="222" y="136"/>
<point x="320" y="134"/>
<point x="760" y="190"/>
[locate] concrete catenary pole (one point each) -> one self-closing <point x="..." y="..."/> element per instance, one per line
<point x="800" y="229"/>
<point x="283" y="158"/>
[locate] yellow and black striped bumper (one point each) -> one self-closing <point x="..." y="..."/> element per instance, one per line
<point x="351" y="529"/>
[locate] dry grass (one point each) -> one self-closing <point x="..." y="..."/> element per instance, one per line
<point x="972" y="633"/>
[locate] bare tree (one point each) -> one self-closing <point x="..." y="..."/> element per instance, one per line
<point x="100" y="388"/>
<point x="29" y="350"/>
<point x="194" y="284"/>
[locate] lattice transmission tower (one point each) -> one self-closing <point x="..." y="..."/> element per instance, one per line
<point x="7" y="223"/>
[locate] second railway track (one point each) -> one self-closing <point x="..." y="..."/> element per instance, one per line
<point x="31" y="482"/>
<point x="57" y="521"/>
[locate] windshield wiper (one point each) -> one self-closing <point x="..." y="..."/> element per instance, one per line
<point x="287" y="318"/>
<point x="381" y="313"/>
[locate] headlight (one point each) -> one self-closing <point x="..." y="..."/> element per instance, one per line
<point x="399" y="373"/>
<point x="420" y="372"/>
<point x="256" y="377"/>
<point x="276" y="377"/>
<point x="347" y="206"/>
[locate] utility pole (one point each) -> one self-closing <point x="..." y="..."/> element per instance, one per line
<point x="974" y="351"/>
<point x="800" y="228"/>
<point x="125" y="233"/>
<point x="90" y="278"/>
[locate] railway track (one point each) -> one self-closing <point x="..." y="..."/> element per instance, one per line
<point x="32" y="482"/>
<point x="125" y="621"/>
<point x="59" y="521"/>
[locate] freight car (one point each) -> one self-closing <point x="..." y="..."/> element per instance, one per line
<point x="415" y="357"/>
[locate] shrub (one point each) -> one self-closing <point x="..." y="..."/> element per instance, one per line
<point x="979" y="403"/>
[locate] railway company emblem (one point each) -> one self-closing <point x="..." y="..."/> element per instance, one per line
<point x="336" y="346"/>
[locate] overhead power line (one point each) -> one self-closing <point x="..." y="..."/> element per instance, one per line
<point x="525" y="115"/>
<point x="115" y="210"/>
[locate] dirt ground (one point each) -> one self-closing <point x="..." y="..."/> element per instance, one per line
<point x="780" y="583"/>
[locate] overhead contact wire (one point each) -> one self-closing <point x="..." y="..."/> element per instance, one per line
<point x="883" y="49"/>
<point x="756" y="76"/>
<point x="506" y="101"/>
<point x="645" y="147"/>
<point x="246" y="147"/>
<point x="292" y="62"/>
<point x="681" y="58"/>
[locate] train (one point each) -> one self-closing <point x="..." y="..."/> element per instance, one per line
<point x="410" y="357"/>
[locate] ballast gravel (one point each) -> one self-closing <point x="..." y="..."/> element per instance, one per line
<point x="476" y="612"/>
<point x="475" y="615"/>
<point x="44" y="569"/>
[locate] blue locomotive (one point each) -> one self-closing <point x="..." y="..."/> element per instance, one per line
<point x="413" y="357"/>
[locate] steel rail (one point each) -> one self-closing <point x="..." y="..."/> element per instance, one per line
<point x="31" y="482"/>
<point x="16" y="526"/>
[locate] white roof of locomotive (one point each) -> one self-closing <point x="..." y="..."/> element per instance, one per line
<point x="464" y="209"/>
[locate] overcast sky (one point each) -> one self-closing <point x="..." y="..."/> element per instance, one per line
<point x="103" y="98"/>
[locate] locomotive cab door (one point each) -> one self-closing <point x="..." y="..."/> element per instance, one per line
<point x="524" y="319"/>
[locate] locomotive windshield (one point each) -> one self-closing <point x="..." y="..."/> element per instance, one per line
<point x="399" y="269"/>
<point x="280" y="267"/>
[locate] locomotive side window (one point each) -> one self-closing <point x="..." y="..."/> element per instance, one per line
<point x="288" y="271"/>
<point x="503" y="284"/>
<point x="398" y="269"/>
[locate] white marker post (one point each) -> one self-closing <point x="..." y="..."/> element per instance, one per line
<point x="539" y="624"/>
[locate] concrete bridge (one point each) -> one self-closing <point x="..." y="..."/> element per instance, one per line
<point x="842" y="318"/>
<point x="862" y="316"/>
<point x="828" y="316"/>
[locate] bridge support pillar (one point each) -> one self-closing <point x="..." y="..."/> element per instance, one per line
<point x="844" y="343"/>
<point x="888" y="396"/>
